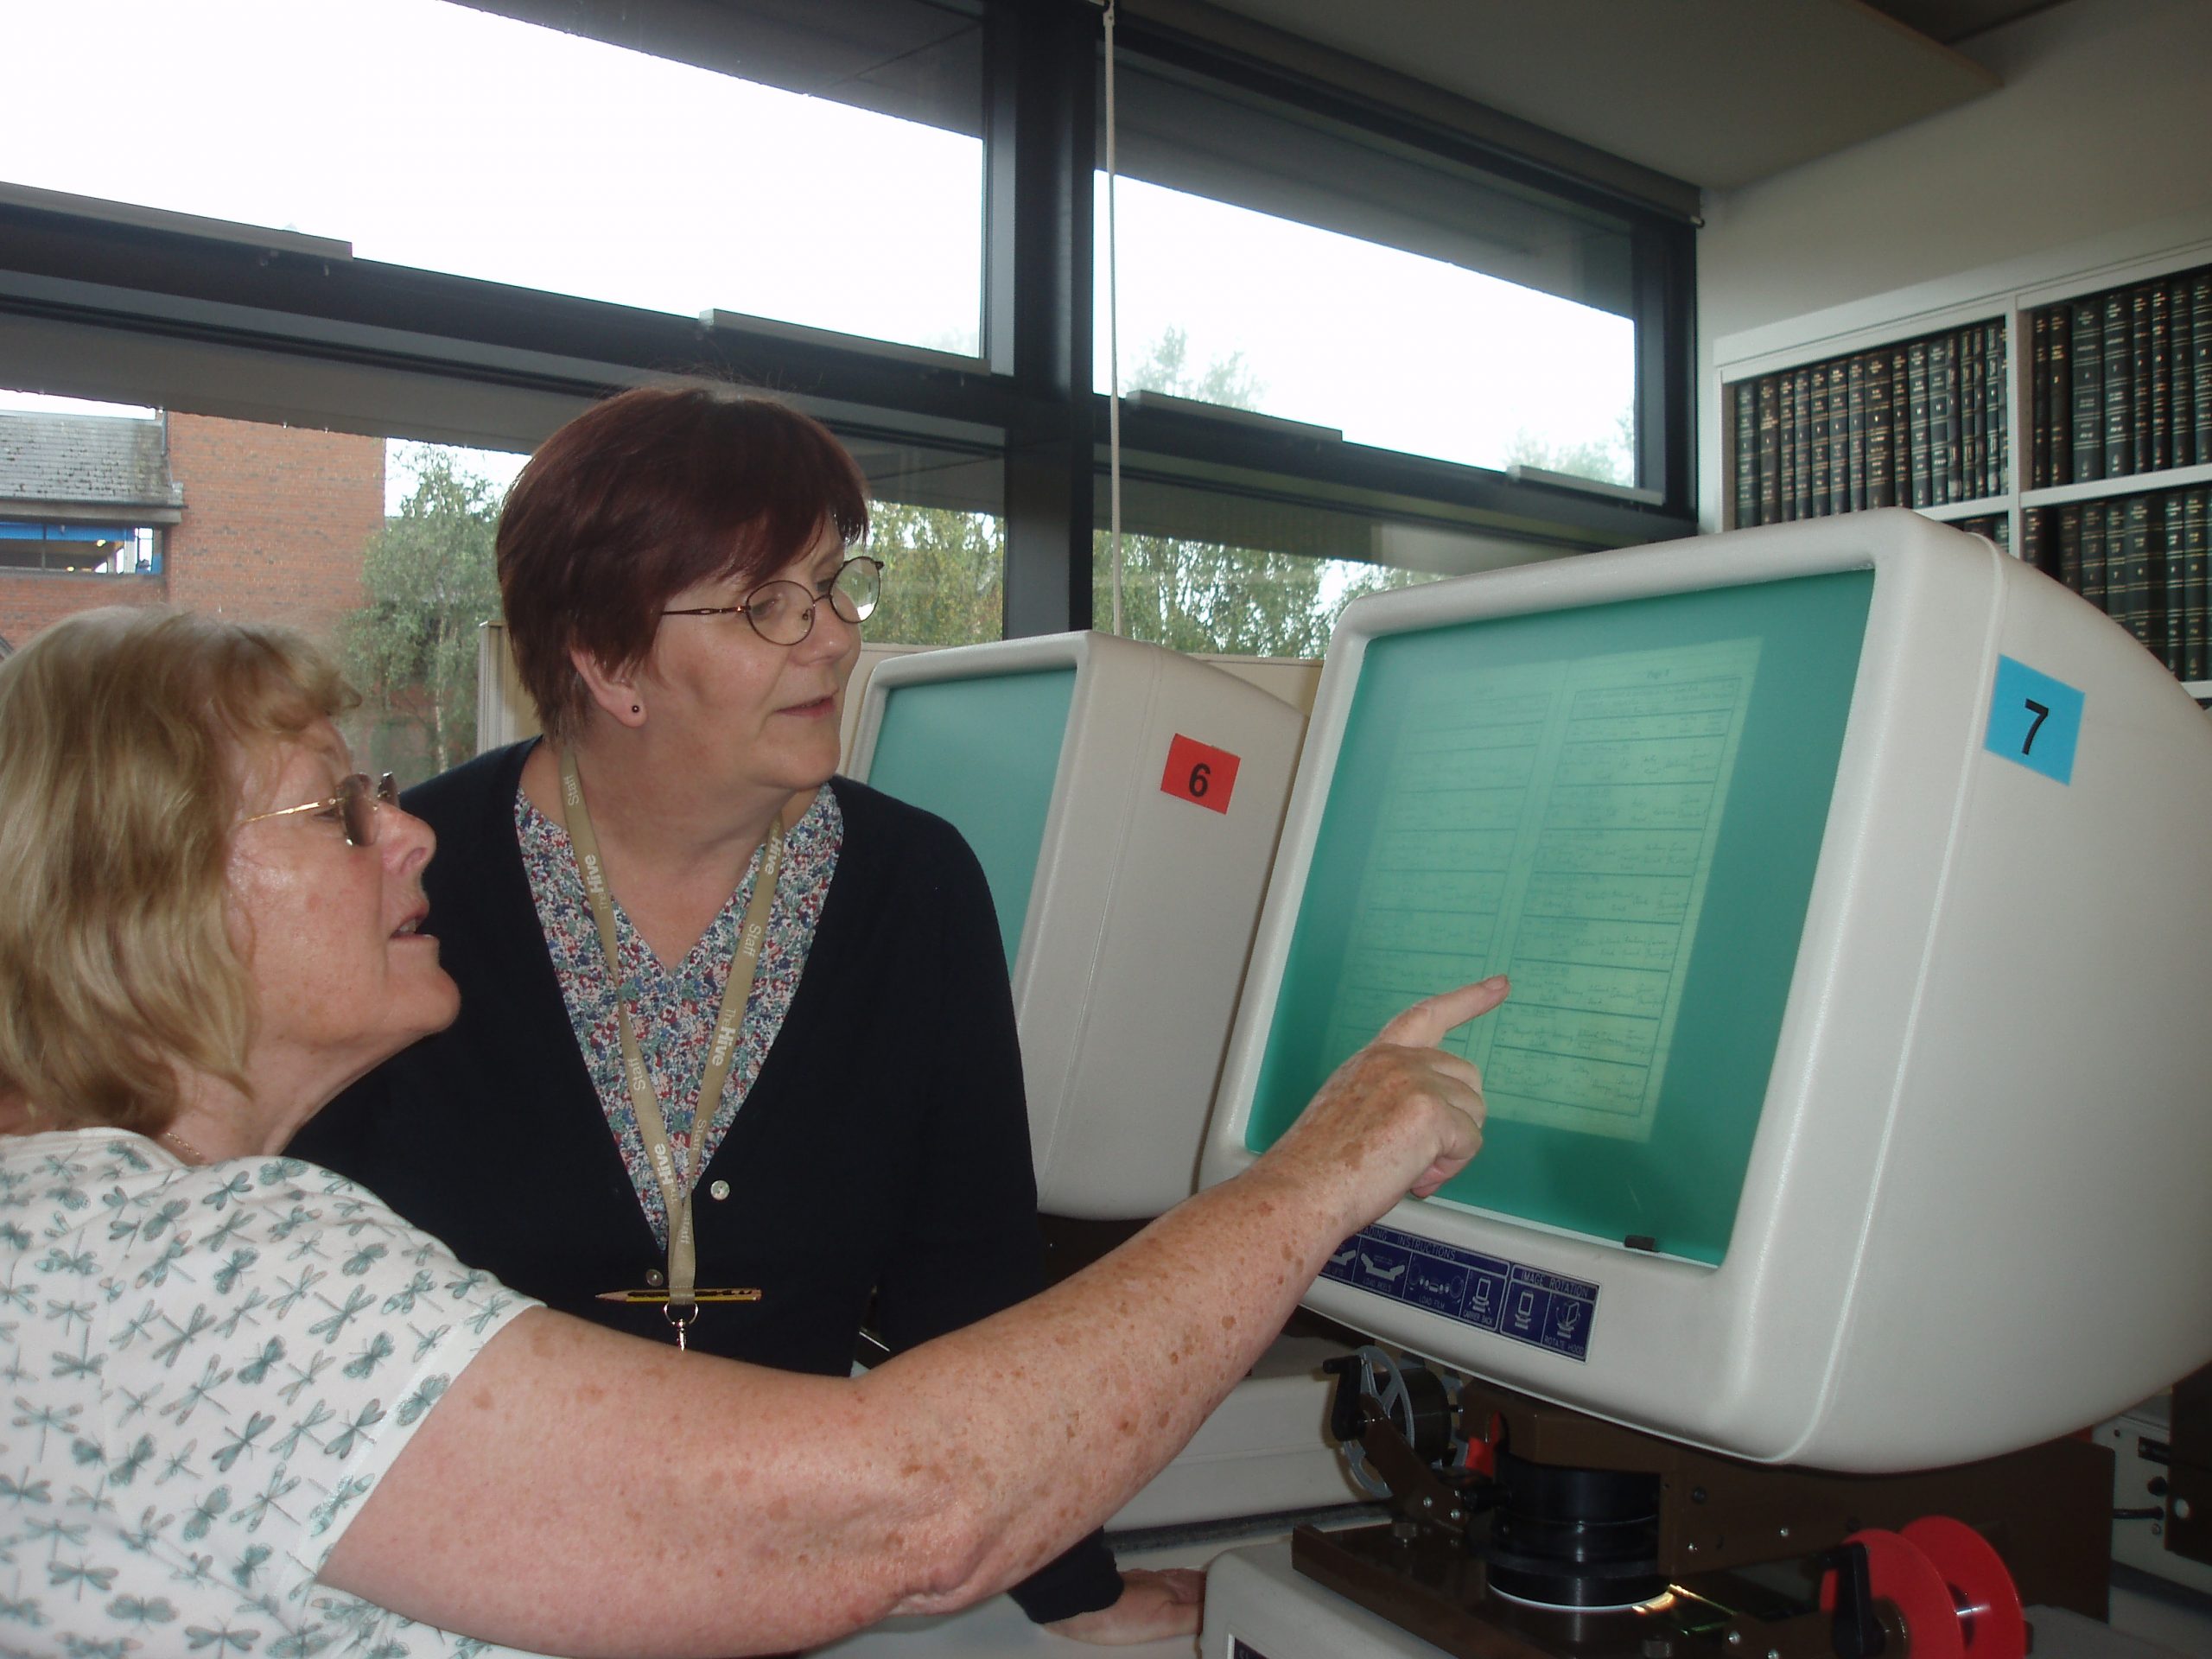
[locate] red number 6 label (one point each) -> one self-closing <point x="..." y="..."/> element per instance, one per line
<point x="1199" y="772"/>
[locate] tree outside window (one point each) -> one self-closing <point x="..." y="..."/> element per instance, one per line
<point x="411" y="648"/>
<point x="1210" y="596"/>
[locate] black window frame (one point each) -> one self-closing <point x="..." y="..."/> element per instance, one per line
<point x="157" y="309"/>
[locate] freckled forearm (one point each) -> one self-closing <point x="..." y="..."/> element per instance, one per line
<point x="1136" y="1350"/>
<point x="947" y="1474"/>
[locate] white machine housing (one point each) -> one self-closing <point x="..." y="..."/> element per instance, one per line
<point x="1141" y="915"/>
<point x="1974" y="1216"/>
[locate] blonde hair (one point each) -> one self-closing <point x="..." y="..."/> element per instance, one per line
<point x="125" y="736"/>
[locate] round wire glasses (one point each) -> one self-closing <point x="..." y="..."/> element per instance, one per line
<point x="782" y="612"/>
<point x="353" y="807"/>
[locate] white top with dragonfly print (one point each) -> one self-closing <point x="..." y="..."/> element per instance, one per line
<point x="203" y="1372"/>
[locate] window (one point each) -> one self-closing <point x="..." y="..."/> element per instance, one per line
<point x="451" y="221"/>
<point x="1274" y="261"/>
<point x="1209" y="571"/>
<point x="1208" y="597"/>
<point x="449" y="138"/>
<point x="81" y="550"/>
<point x="934" y="524"/>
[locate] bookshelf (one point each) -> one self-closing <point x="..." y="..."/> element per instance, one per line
<point x="2106" y="484"/>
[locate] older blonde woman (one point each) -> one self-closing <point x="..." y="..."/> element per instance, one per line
<point x="256" y="1412"/>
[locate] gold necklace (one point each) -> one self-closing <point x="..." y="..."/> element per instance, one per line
<point x="192" y="1155"/>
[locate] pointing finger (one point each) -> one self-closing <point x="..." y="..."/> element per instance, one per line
<point x="1424" y="1025"/>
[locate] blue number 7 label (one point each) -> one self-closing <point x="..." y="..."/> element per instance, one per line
<point x="2034" y="720"/>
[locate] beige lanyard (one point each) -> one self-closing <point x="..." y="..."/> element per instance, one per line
<point x="675" y="1188"/>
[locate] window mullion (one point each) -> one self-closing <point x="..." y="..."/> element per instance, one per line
<point x="1040" y="65"/>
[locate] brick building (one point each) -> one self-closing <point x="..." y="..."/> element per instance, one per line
<point x="261" y="523"/>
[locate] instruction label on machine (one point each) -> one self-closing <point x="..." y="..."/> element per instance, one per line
<point x="1545" y="1310"/>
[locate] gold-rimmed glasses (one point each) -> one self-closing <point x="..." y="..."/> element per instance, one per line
<point x="353" y="807"/>
<point x="782" y="611"/>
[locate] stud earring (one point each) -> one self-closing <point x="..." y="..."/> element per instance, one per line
<point x="637" y="708"/>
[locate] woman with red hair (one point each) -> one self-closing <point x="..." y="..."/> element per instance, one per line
<point x="684" y="579"/>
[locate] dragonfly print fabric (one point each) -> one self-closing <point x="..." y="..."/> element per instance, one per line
<point x="205" y="1372"/>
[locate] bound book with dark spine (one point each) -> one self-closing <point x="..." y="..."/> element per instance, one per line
<point x="2088" y="427"/>
<point x="1881" y="425"/>
<point x="1917" y="399"/>
<point x="2060" y="395"/>
<point x="2173" y="571"/>
<point x="2185" y="353"/>
<point x="1786" y="462"/>
<point x="2094" y="586"/>
<point x="2197" y="560"/>
<point x="2141" y="598"/>
<point x="2138" y="345"/>
<point x="1823" y="444"/>
<point x="1997" y="411"/>
<point x="2039" y="401"/>
<point x="2035" y="545"/>
<point x="2119" y="388"/>
<point x="1838" y="437"/>
<point x="1854" y="433"/>
<point x="1770" y="430"/>
<point x="1803" y="474"/>
<point x="1969" y="415"/>
<point x="1901" y="427"/>
<point x="2200" y="362"/>
<point x="1743" y="453"/>
<point x="2162" y="379"/>
<point x="2069" y="544"/>
<point x="1944" y="417"/>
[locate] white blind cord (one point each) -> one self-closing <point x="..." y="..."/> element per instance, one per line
<point x="1113" y="338"/>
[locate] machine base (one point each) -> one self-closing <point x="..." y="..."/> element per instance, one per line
<point x="1258" y="1606"/>
<point x="1430" y="1588"/>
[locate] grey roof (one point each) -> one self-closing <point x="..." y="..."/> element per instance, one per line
<point x="62" y="464"/>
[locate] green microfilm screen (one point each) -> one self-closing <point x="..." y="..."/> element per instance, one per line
<point x="1621" y="806"/>
<point x="983" y="754"/>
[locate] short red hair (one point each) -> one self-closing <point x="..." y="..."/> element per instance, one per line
<point x="643" y="496"/>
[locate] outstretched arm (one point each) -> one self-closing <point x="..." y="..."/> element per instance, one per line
<point x="579" y="1491"/>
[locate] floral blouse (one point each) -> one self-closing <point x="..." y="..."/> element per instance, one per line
<point x="675" y="1007"/>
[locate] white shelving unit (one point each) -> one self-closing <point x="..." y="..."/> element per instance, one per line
<point x="2011" y="292"/>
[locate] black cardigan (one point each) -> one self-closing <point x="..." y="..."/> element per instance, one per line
<point x="883" y="1148"/>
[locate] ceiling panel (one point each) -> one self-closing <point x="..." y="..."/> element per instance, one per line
<point x="1716" y="92"/>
